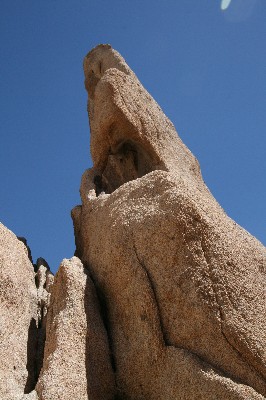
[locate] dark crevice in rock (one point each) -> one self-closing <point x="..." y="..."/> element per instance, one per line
<point x="119" y="396"/>
<point x="99" y="186"/>
<point x="41" y="337"/>
<point x="153" y="289"/>
<point x="37" y="328"/>
<point x="32" y="346"/>
<point x="35" y="354"/>
<point x="103" y="304"/>
<point x="76" y="213"/>
<point x="44" y="282"/>
<point x="127" y="162"/>
<point x="104" y="314"/>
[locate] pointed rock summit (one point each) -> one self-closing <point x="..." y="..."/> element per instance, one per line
<point x="165" y="296"/>
<point x="184" y="285"/>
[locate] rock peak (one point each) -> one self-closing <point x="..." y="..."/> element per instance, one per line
<point x="165" y="296"/>
<point x="130" y="134"/>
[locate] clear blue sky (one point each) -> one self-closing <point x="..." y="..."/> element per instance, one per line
<point x="205" y="67"/>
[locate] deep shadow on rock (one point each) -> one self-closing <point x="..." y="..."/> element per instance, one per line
<point x="76" y="359"/>
<point x="32" y="350"/>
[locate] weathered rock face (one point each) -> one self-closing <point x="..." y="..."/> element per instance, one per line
<point x="168" y="300"/>
<point x="18" y="318"/>
<point x="77" y="362"/>
<point x="183" y="285"/>
<point x="44" y="281"/>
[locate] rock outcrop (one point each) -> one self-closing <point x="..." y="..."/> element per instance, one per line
<point x="183" y="285"/>
<point x="165" y="296"/>
<point x="77" y="361"/>
<point x="18" y="318"/>
<point x="24" y="301"/>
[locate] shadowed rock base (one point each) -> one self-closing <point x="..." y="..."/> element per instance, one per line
<point x="76" y="360"/>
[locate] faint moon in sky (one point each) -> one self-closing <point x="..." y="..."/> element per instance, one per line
<point x="225" y="4"/>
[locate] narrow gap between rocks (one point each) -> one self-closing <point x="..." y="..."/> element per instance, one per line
<point x="32" y="349"/>
<point x="152" y="286"/>
<point x="37" y="327"/>
<point x="104" y="314"/>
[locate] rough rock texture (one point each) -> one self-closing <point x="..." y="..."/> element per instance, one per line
<point x="18" y="318"/>
<point x="31" y="396"/>
<point x="168" y="300"/>
<point x="76" y="361"/>
<point x="183" y="286"/>
<point x="44" y="280"/>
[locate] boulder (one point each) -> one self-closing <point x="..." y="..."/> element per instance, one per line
<point x="183" y="286"/>
<point x="18" y="318"/>
<point x="77" y="361"/>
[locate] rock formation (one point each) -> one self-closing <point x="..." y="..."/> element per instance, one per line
<point x="183" y="284"/>
<point x="44" y="281"/>
<point x="18" y="316"/>
<point x="21" y="334"/>
<point x="77" y="362"/>
<point x="167" y="298"/>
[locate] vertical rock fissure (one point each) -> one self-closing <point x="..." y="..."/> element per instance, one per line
<point x="37" y="328"/>
<point x="104" y="314"/>
<point x="32" y="350"/>
<point x="153" y="289"/>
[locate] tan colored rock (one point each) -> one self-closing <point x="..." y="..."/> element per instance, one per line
<point x="31" y="396"/>
<point x="44" y="280"/>
<point x="76" y="360"/>
<point x="18" y="318"/>
<point x="184" y="285"/>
